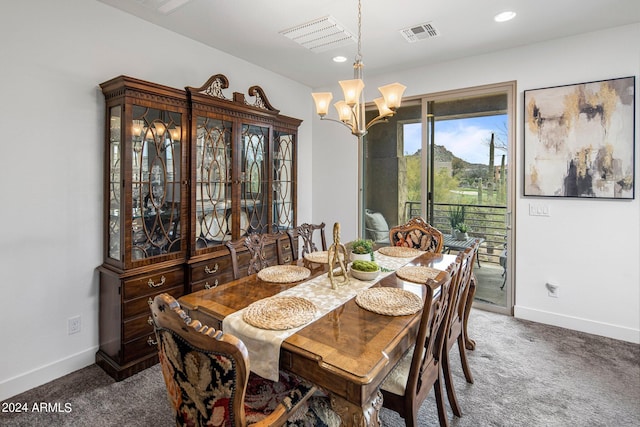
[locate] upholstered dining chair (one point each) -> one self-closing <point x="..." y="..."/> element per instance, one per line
<point x="456" y="332"/>
<point x="256" y="244"/>
<point x="208" y="381"/>
<point x="419" y="371"/>
<point x="417" y="233"/>
<point x="305" y="232"/>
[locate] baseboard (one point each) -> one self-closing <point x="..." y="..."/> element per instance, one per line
<point x="578" y="324"/>
<point x="42" y="375"/>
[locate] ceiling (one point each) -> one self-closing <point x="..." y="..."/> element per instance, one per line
<point x="250" y="29"/>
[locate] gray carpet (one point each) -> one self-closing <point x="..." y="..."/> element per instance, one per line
<point x="526" y="374"/>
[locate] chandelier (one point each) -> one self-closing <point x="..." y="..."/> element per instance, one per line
<point x="351" y="108"/>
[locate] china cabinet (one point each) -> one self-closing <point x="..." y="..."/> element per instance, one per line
<point x="145" y="215"/>
<point x="184" y="172"/>
<point x="242" y="175"/>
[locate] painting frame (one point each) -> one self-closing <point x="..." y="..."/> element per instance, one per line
<point x="579" y="140"/>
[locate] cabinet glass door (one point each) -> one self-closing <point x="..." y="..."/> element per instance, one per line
<point x="155" y="182"/>
<point x="253" y="207"/>
<point x="283" y="181"/>
<point x="115" y="145"/>
<point x="213" y="182"/>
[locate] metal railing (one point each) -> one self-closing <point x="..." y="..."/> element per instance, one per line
<point x="486" y="221"/>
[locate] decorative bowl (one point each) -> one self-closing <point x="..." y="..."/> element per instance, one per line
<point x="364" y="275"/>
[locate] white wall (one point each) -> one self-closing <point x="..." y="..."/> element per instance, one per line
<point x="590" y="248"/>
<point x="54" y="55"/>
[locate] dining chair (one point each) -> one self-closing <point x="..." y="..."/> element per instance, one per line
<point x="455" y="332"/>
<point x="417" y="233"/>
<point x="206" y="373"/>
<point x="409" y="383"/>
<point x="256" y="244"/>
<point x="306" y="233"/>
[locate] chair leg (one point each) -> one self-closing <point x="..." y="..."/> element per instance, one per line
<point x="448" y="382"/>
<point x="463" y="359"/>
<point x="442" y="412"/>
<point x="469" y="343"/>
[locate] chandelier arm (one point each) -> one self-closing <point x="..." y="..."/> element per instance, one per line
<point x="337" y="121"/>
<point x="377" y="120"/>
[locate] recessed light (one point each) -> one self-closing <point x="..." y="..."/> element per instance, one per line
<point x="505" y="16"/>
<point x="339" y="58"/>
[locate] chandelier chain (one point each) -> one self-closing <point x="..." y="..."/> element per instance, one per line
<point x="359" y="55"/>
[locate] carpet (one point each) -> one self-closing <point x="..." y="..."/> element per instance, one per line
<point x="526" y="374"/>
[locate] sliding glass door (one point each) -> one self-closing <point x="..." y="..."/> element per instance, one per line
<point x="445" y="157"/>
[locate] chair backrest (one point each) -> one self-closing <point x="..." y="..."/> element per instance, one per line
<point x="205" y="371"/>
<point x="255" y="243"/>
<point x="306" y="233"/>
<point x="467" y="262"/>
<point x="417" y="233"/>
<point x="427" y="354"/>
<point x="464" y="263"/>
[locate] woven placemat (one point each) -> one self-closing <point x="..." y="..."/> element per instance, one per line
<point x="400" y="251"/>
<point x="389" y="301"/>
<point x="320" y="257"/>
<point x="283" y="273"/>
<point x="417" y="273"/>
<point x="279" y="313"/>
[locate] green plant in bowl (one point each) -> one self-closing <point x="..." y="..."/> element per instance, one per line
<point x="364" y="270"/>
<point x="365" y="266"/>
<point x="362" y="246"/>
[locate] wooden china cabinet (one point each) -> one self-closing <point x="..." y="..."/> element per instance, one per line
<point x="242" y="175"/>
<point x="184" y="172"/>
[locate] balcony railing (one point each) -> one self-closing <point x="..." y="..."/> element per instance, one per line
<point x="486" y="221"/>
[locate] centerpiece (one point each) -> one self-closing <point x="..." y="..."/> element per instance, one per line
<point x="364" y="270"/>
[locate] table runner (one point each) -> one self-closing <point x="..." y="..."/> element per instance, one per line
<point x="264" y="345"/>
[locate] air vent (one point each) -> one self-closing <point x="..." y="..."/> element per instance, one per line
<point x="320" y="35"/>
<point x="419" y="32"/>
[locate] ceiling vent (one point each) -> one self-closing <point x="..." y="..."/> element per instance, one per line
<point x="419" y="32"/>
<point x="320" y="35"/>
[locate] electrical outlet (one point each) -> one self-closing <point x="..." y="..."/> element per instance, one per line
<point x="74" y="325"/>
<point x="553" y="290"/>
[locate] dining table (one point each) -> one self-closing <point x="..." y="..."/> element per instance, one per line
<point x="346" y="350"/>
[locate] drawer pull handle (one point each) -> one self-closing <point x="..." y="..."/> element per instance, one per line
<point x="152" y="284"/>
<point x="210" y="271"/>
<point x="150" y="321"/>
<point x="287" y="259"/>
<point x="151" y="341"/>
<point x="287" y="246"/>
<point x="150" y="301"/>
<point x="208" y="286"/>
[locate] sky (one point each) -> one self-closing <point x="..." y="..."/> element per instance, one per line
<point x="468" y="139"/>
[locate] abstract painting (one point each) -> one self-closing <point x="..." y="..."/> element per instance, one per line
<point x="579" y="140"/>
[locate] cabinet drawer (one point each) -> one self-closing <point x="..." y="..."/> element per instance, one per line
<point x="287" y="253"/>
<point x="141" y="305"/>
<point x="140" y="347"/>
<point x="137" y="326"/>
<point x="210" y="269"/>
<point x="154" y="283"/>
<point x="212" y="282"/>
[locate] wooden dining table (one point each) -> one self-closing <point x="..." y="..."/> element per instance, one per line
<point x="347" y="352"/>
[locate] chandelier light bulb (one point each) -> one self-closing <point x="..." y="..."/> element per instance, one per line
<point x="322" y="100"/>
<point x="344" y="111"/>
<point x="352" y="90"/>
